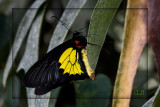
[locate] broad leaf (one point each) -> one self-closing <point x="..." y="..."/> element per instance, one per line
<point x="94" y="93"/>
<point x="101" y="19"/>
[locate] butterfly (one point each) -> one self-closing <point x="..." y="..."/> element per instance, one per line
<point x="64" y="63"/>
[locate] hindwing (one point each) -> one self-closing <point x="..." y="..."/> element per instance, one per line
<point x="62" y="64"/>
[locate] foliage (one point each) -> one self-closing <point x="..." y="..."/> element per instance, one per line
<point x="37" y="33"/>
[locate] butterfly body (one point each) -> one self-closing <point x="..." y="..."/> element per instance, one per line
<point x="62" y="64"/>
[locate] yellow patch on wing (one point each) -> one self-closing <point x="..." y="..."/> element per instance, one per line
<point x="69" y="62"/>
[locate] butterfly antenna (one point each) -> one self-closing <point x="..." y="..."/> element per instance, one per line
<point x="65" y="25"/>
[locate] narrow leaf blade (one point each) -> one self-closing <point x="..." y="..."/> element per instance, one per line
<point x="31" y="53"/>
<point x="20" y="35"/>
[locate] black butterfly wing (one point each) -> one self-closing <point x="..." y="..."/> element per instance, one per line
<point x="47" y="73"/>
<point x="46" y="69"/>
<point x="64" y="77"/>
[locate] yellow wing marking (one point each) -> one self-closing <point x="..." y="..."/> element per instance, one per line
<point x="68" y="68"/>
<point x="73" y="56"/>
<point x="69" y="62"/>
<point x="78" y="68"/>
<point x="65" y="54"/>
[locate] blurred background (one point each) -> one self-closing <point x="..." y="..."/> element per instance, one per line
<point x="80" y="92"/>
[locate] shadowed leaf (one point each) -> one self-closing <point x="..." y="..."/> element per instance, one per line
<point x="94" y="93"/>
<point x="20" y="35"/>
<point x="5" y="30"/>
<point x="153" y="30"/>
<point x="31" y="53"/>
<point x="154" y="41"/>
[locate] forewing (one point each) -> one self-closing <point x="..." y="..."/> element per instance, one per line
<point x="71" y="67"/>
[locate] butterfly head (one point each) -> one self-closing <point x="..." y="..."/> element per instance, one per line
<point x="79" y="39"/>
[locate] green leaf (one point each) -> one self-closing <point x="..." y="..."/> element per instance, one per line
<point x="101" y="19"/>
<point x="94" y="93"/>
<point x="20" y="35"/>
